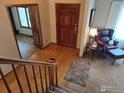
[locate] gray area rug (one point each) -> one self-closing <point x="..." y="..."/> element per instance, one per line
<point x="78" y="72"/>
<point x="103" y="77"/>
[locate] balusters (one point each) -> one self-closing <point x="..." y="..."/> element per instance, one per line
<point x="52" y="75"/>
<point x="48" y="72"/>
<point x="45" y="72"/>
<point x="35" y="81"/>
<point x="41" y="79"/>
<point x="56" y="75"/>
<point x="50" y="78"/>
<point x="17" y="78"/>
<point x="26" y="74"/>
<point x="5" y="82"/>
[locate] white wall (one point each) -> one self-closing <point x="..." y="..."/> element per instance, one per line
<point x="21" y="30"/>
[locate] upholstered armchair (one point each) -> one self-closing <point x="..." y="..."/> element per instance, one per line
<point x="104" y="39"/>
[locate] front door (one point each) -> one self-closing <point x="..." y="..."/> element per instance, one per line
<point x="67" y="16"/>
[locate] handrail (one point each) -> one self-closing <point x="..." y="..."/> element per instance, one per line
<point x="47" y="71"/>
<point x="7" y="60"/>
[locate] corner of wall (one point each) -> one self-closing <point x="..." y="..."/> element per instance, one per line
<point x="89" y="4"/>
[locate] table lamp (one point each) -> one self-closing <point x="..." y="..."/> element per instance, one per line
<point x="92" y="34"/>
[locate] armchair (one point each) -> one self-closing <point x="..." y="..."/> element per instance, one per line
<point x="104" y="39"/>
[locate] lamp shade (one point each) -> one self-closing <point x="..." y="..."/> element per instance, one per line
<point x="93" y="32"/>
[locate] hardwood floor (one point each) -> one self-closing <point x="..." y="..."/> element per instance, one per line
<point x="26" y="45"/>
<point x="64" y="55"/>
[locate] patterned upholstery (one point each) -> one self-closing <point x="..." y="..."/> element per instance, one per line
<point x="105" y="35"/>
<point x="103" y="38"/>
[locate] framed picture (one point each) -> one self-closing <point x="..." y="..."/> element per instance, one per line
<point x="92" y="15"/>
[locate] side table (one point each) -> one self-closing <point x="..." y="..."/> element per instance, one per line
<point x="92" y="49"/>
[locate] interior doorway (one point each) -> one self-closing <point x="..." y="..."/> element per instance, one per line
<point x="25" y="22"/>
<point x="67" y="21"/>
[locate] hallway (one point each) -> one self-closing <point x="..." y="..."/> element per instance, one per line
<point x="64" y="55"/>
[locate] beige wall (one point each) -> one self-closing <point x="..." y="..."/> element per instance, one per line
<point x="7" y="41"/>
<point x="89" y="4"/>
<point x="53" y="18"/>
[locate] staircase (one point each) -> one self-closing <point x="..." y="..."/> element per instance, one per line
<point x="61" y="89"/>
<point x="46" y="71"/>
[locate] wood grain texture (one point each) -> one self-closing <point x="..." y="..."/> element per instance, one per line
<point x="64" y="56"/>
<point x="67" y="19"/>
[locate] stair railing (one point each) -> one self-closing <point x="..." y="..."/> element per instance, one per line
<point x="47" y="71"/>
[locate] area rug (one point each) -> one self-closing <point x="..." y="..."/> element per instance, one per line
<point x="78" y="72"/>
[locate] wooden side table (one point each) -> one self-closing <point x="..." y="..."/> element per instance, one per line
<point x="92" y="49"/>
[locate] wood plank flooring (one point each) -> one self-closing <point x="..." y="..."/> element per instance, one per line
<point x="64" y="56"/>
<point x="26" y="45"/>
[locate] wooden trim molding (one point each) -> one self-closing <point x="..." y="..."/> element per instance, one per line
<point x="12" y="25"/>
<point x="20" y="5"/>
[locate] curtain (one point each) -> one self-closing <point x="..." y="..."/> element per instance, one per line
<point x="115" y="20"/>
<point x="119" y="27"/>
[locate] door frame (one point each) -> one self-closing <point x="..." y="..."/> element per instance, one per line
<point x="56" y="20"/>
<point x="13" y="28"/>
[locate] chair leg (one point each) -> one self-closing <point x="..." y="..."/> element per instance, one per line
<point x="113" y="61"/>
<point x="92" y="54"/>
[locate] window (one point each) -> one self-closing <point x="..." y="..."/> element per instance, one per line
<point x="24" y="18"/>
<point x="115" y="20"/>
<point x="119" y="16"/>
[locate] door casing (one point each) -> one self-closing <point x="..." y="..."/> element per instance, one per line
<point x="77" y="6"/>
<point x="13" y="27"/>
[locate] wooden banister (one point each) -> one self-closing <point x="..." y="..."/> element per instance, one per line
<point x="49" y="68"/>
<point x="7" y="60"/>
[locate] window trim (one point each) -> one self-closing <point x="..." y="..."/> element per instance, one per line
<point x="26" y="17"/>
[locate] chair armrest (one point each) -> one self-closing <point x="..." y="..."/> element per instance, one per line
<point x="100" y="42"/>
<point x="116" y="43"/>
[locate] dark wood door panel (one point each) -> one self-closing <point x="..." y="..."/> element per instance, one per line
<point x="67" y="16"/>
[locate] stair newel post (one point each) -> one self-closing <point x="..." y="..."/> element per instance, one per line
<point x="50" y="75"/>
<point x="54" y="72"/>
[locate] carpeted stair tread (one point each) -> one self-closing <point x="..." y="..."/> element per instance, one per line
<point x="59" y="90"/>
<point x="50" y="91"/>
<point x="66" y="89"/>
<point x="75" y="87"/>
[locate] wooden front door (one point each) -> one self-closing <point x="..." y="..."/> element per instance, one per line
<point x="67" y="20"/>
